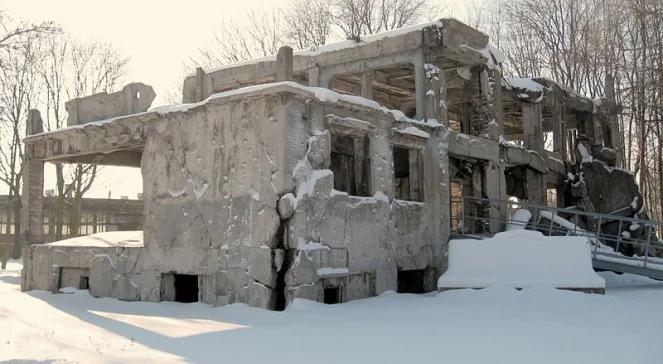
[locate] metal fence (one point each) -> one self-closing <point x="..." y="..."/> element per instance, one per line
<point x="617" y="238"/>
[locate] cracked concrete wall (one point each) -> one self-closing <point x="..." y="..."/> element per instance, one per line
<point x="360" y="243"/>
<point x="212" y="178"/>
<point x="120" y="279"/>
<point x="238" y="192"/>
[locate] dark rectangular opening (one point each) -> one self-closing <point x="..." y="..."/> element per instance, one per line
<point x="186" y="288"/>
<point x="84" y="283"/>
<point x="179" y="287"/>
<point x="408" y="175"/>
<point x="350" y="164"/>
<point x="411" y="281"/>
<point x="332" y="295"/>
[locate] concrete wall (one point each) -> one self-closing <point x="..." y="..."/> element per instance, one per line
<point x="212" y="180"/>
<point x="218" y="180"/>
<point x="359" y="243"/>
<point x="212" y="177"/>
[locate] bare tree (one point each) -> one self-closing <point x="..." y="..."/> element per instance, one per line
<point x="308" y="23"/>
<point x="70" y="70"/>
<point x="260" y="35"/>
<point x="18" y="92"/>
<point x="357" y="18"/>
<point x="16" y="35"/>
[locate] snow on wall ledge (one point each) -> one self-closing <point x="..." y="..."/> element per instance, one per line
<point x="109" y="239"/>
<point x="521" y="258"/>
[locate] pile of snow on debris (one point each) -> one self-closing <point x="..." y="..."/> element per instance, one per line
<point x="521" y="258"/>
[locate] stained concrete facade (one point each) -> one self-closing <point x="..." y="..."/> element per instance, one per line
<point x="324" y="174"/>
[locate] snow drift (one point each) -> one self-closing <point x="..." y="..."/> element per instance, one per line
<point x="521" y="258"/>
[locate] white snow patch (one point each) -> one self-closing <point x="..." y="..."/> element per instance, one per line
<point x="584" y="153"/>
<point x="412" y="130"/>
<point x="561" y="221"/>
<point x="305" y="245"/>
<point x="109" y="239"/>
<point x="328" y="271"/>
<point x="526" y="84"/>
<point x="519" y="219"/>
<point x="520" y="258"/>
<point x="462" y="326"/>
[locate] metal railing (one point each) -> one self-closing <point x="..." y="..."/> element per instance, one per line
<point x="613" y="238"/>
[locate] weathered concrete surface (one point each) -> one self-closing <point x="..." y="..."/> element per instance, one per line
<point x="133" y="98"/>
<point x="216" y="180"/>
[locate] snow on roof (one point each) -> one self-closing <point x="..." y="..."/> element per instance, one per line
<point x="523" y="84"/>
<point x="413" y="130"/>
<point x="492" y="53"/>
<point x="367" y="39"/>
<point x="521" y="258"/>
<point x="111" y="239"/>
<point x="320" y="93"/>
<point x="336" y="46"/>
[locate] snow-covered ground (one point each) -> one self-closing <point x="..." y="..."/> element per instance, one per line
<point x="494" y="325"/>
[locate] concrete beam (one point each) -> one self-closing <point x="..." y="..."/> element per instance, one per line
<point x="473" y="147"/>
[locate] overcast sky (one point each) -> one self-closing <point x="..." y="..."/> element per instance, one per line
<point x="158" y="36"/>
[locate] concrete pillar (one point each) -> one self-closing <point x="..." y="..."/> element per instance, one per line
<point x="33" y="186"/>
<point x="432" y="105"/>
<point x="441" y="94"/>
<point x="498" y="103"/>
<point x="469" y="209"/>
<point x="284" y="64"/>
<point x="420" y="84"/>
<point x="536" y="187"/>
<point x="532" y="127"/>
<point x="314" y="76"/>
<point x="495" y="189"/>
<point x="485" y="84"/>
<point x="558" y="129"/>
<point x="533" y="139"/>
<point x="203" y="85"/>
<point x="367" y="85"/>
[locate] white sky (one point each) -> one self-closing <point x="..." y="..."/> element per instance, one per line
<point x="158" y="36"/>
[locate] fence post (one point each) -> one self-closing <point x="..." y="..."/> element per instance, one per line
<point x="552" y="218"/>
<point x="644" y="265"/>
<point x="598" y="235"/>
<point x="619" y="236"/>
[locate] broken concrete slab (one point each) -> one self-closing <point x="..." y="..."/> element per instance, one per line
<point x="132" y="99"/>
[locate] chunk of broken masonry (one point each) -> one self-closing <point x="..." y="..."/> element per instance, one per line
<point x="133" y="98"/>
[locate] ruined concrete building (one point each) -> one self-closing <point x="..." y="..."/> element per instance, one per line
<point x="325" y="174"/>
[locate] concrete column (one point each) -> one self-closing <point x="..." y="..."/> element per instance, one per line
<point x="367" y="85"/>
<point x="432" y="109"/>
<point x="441" y="97"/>
<point x="284" y="64"/>
<point x="485" y="84"/>
<point x="33" y="186"/>
<point x="420" y="84"/>
<point x="558" y="129"/>
<point x="495" y="189"/>
<point x="314" y="76"/>
<point x="498" y="103"/>
<point x="469" y="209"/>
<point x="536" y="187"/>
<point x="532" y="128"/>
<point x="203" y="85"/>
